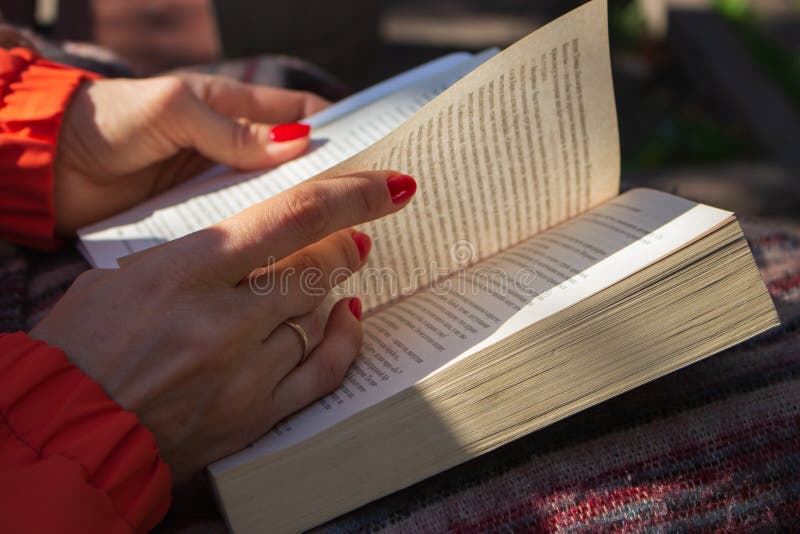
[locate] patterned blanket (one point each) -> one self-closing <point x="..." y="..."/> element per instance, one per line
<point x="715" y="446"/>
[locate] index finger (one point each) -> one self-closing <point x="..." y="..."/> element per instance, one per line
<point x="288" y="222"/>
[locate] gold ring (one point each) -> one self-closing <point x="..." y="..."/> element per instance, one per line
<point x="303" y="337"/>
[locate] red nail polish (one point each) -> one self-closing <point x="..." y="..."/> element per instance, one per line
<point x="289" y="131"/>
<point x="401" y="187"/>
<point x="363" y="243"/>
<point x="355" y="307"/>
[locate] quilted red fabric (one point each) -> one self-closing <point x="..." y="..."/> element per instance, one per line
<point x="71" y="459"/>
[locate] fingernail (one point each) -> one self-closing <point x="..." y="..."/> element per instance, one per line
<point x="401" y="187"/>
<point x="289" y="131"/>
<point x="355" y="307"/>
<point x="363" y="243"/>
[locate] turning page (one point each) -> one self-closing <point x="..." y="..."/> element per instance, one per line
<point x="525" y="141"/>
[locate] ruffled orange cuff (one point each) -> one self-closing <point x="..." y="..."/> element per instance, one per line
<point x="34" y="93"/>
<point x="71" y="459"/>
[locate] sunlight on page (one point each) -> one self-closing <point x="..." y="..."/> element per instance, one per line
<point x="408" y="341"/>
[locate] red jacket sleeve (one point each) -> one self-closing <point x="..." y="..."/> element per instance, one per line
<point x="33" y="96"/>
<point x="71" y="460"/>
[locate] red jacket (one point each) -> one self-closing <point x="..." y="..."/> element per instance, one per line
<point x="71" y="459"/>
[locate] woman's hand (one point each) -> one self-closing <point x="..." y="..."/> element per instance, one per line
<point x="123" y="141"/>
<point x="177" y="336"/>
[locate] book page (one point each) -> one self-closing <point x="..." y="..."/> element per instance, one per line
<point x="385" y="88"/>
<point x="525" y="141"/>
<point x="480" y="306"/>
<point x="220" y="193"/>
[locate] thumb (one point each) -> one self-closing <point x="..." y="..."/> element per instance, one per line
<point x="240" y="143"/>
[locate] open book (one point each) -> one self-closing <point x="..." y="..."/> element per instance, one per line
<point x="516" y="289"/>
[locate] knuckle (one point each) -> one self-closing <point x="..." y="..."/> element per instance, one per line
<point x="172" y="90"/>
<point x="311" y="102"/>
<point x="363" y="195"/>
<point x="239" y="134"/>
<point x="308" y="211"/>
<point x="307" y="263"/>
<point x="366" y="201"/>
<point x="350" y="251"/>
<point x="304" y="97"/>
<point x="174" y="87"/>
<point x="170" y="99"/>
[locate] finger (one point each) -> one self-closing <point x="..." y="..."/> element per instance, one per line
<point x="257" y="103"/>
<point x="326" y="367"/>
<point x="285" y="344"/>
<point x="305" y="278"/>
<point x="292" y="220"/>
<point x="238" y="143"/>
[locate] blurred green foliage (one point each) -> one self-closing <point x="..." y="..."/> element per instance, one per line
<point x="683" y="129"/>
<point x="776" y="63"/>
<point x="734" y="9"/>
<point x="626" y="23"/>
<point x="687" y="138"/>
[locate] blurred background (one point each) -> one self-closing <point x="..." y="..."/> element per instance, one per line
<point x="708" y="91"/>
